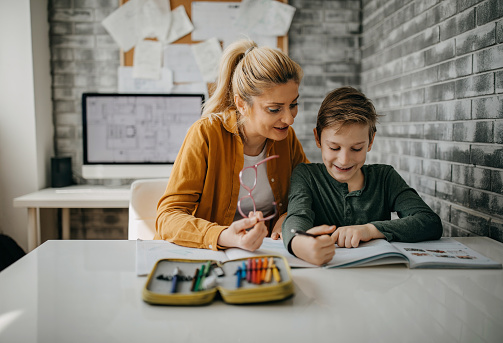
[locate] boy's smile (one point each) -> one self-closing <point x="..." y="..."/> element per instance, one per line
<point x="344" y="151"/>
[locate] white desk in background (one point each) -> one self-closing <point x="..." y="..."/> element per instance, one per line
<point x="65" y="198"/>
<point x="88" y="291"/>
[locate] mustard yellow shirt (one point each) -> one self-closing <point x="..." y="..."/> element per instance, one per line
<point x="202" y="193"/>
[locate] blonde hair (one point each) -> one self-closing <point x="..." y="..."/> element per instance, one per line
<point x="248" y="70"/>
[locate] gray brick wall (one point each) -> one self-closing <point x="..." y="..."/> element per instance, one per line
<point x="443" y="104"/>
<point x="84" y="58"/>
<point x="325" y="40"/>
<point x="434" y="68"/>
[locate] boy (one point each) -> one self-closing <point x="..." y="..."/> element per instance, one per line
<point x="344" y="201"/>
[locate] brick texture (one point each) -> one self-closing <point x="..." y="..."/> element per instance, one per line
<point x="434" y="68"/>
<point x="460" y="148"/>
<point x="83" y="59"/>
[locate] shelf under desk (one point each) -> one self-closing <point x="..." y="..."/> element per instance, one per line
<point x="65" y="198"/>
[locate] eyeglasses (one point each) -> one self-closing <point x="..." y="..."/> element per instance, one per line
<point x="250" y="189"/>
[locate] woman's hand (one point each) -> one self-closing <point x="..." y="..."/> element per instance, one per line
<point x="237" y="235"/>
<point x="351" y="236"/>
<point x="316" y="250"/>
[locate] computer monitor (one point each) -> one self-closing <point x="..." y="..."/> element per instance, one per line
<point x="132" y="136"/>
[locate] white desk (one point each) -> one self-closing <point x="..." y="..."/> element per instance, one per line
<point x="79" y="196"/>
<point x="87" y="291"/>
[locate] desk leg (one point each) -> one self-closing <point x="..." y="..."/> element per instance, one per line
<point x="33" y="229"/>
<point x="65" y="223"/>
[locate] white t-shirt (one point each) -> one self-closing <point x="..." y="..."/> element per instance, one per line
<point x="262" y="193"/>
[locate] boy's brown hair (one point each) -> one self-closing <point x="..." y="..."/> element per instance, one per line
<point x="346" y="105"/>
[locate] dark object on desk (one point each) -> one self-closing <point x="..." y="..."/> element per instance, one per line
<point x="10" y="251"/>
<point x="61" y="172"/>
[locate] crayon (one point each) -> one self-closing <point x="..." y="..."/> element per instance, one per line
<point x="259" y="272"/>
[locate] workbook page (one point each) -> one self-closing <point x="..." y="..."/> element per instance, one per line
<point x="375" y="252"/>
<point x="269" y="247"/>
<point x="148" y="252"/>
<point x="444" y="253"/>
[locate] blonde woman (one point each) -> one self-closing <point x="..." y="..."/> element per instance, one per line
<point x="245" y="126"/>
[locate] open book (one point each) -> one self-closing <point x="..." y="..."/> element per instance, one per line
<point x="443" y="253"/>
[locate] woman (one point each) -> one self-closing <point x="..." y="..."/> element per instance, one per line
<point x="247" y="119"/>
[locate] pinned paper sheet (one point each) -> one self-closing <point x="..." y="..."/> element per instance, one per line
<point x="137" y="20"/>
<point x="270" y="41"/>
<point x="265" y="17"/>
<point x="216" y="19"/>
<point x="147" y="60"/>
<point x="121" y="24"/>
<point x="276" y="20"/>
<point x="155" y="19"/>
<point x="213" y="19"/>
<point x="128" y="84"/>
<point x="207" y="56"/>
<point x="180" y="25"/>
<point x="180" y="59"/>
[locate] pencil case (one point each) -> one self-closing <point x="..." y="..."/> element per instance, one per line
<point x="240" y="281"/>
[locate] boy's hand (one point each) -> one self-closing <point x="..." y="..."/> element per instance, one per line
<point x="276" y="231"/>
<point x="237" y="235"/>
<point x="316" y="250"/>
<point x="351" y="236"/>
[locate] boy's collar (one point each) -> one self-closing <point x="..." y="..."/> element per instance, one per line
<point x="343" y="185"/>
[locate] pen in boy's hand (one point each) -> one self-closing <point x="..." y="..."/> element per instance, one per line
<point x="304" y="233"/>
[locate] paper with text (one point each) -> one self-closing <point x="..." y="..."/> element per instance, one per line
<point x="180" y="59"/>
<point x="155" y="19"/>
<point x="213" y="19"/>
<point x="128" y="84"/>
<point x="276" y="20"/>
<point x="148" y="252"/>
<point x="264" y="17"/>
<point x="180" y="25"/>
<point x="122" y="24"/>
<point x="216" y="19"/>
<point x="147" y="60"/>
<point x="207" y="55"/>
<point x="445" y="252"/>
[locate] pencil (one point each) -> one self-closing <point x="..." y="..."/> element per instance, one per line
<point x="303" y="233"/>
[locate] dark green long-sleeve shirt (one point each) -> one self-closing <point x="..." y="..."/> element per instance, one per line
<point x="316" y="198"/>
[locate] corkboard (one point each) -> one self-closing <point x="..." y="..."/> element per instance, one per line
<point x="127" y="57"/>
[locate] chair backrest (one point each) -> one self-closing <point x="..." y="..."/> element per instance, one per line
<point x="145" y="194"/>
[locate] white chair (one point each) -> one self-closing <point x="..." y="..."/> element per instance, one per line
<point x="145" y="194"/>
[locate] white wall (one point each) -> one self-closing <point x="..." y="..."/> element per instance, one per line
<point x="26" y="127"/>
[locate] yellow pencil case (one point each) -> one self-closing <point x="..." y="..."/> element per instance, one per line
<point x="192" y="287"/>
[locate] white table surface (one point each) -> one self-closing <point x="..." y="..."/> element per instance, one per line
<point x="77" y="196"/>
<point x="87" y="291"/>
